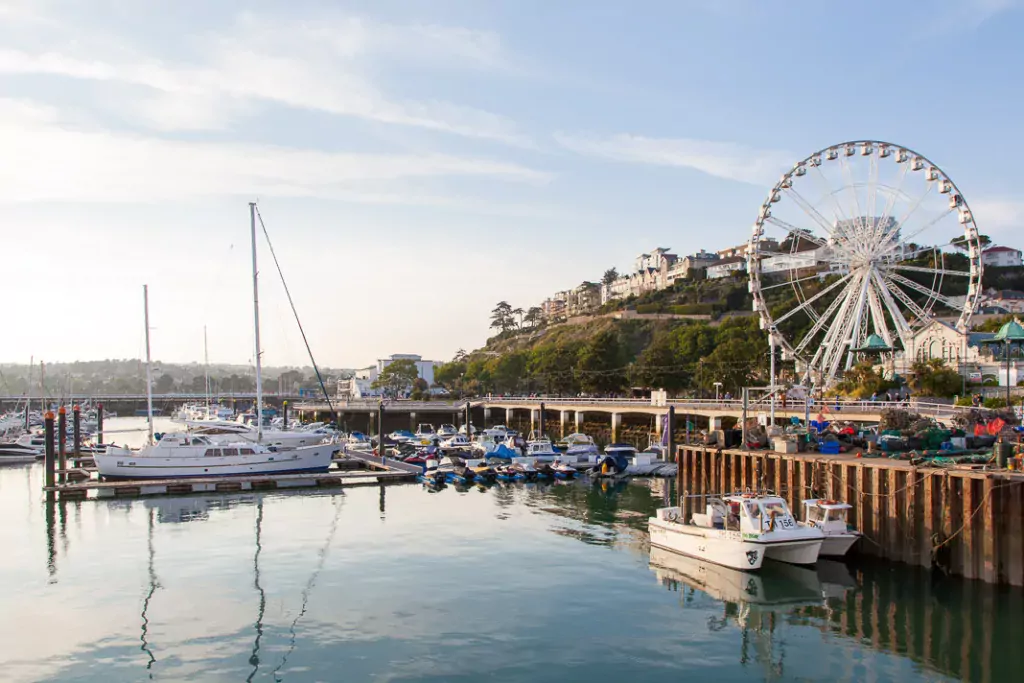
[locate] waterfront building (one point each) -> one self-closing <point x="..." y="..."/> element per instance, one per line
<point x="361" y="383"/>
<point x="650" y="273"/>
<point x="1002" y="257"/>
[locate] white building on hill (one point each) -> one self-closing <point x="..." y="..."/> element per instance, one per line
<point x="361" y="384"/>
<point x="1001" y="257"/>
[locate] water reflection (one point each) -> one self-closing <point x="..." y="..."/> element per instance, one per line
<point x="153" y="585"/>
<point x="460" y="584"/>
<point x="254" y="658"/>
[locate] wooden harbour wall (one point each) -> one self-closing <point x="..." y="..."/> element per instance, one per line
<point x="965" y="523"/>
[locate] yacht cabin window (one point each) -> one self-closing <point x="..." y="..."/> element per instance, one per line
<point x="230" y="451"/>
<point x="212" y="452"/>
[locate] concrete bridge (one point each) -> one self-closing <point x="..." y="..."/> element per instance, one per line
<point x="570" y="413"/>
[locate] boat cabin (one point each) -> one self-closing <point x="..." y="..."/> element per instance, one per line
<point x="425" y="430"/>
<point x="746" y="512"/>
<point x="827" y="515"/>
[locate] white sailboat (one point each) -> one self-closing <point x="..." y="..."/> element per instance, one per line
<point x="190" y="455"/>
<point x="738" y="531"/>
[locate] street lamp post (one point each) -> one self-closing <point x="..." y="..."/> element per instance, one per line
<point x="718" y="386"/>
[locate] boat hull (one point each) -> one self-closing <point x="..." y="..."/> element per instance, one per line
<point x="726" y="548"/>
<point x="837" y="545"/>
<point x="133" y="466"/>
<point x="794" y="552"/>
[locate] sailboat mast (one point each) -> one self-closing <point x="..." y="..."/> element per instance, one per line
<point x="28" y="399"/>
<point x="256" y="323"/>
<point x="206" y="362"/>
<point x="149" y="369"/>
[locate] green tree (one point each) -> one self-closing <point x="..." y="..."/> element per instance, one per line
<point x="517" y="312"/>
<point x="610" y="276"/>
<point x="601" y="364"/>
<point x="449" y="375"/>
<point x="534" y="316"/>
<point x="552" y="366"/>
<point x="501" y="317"/>
<point x="658" y="366"/>
<point x="962" y="244"/>
<point x="397" y="376"/>
<point x="164" y="384"/>
<point x="934" y="378"/>
<point x="507" y="371"/>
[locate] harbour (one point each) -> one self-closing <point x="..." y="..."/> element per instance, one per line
<point x="498" y="583"/>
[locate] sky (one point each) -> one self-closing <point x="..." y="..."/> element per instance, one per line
<point x="415" y="163"/>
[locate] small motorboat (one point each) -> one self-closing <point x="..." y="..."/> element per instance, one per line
<point x="523" y="471"/>
<point x="446" y="431"/>
<point x="738" y="531"/>
<point x="545" y="470"/>
<point x="563" y="470"/>
<point x="830" y="517"/>
<point x="541" y="450"/>
<point x="617" y="457"/>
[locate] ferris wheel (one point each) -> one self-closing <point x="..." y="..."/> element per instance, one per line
<point x="861" y="238"/>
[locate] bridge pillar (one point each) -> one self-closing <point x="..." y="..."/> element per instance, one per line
<point x="579" y="420"/>
<point x="412" y="421"/>
<point x="616" y="424"/>
<point x="487" y="417"/>
<point x="534" y="416"/>
<point x="563" y="417"/>
<point x="509" y="413"/>
<point x="715" y="422"/>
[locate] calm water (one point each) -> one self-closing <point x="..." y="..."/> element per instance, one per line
<point x="517" y="583"/>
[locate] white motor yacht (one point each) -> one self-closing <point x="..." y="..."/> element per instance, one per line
<point x="830" y="517"/>
<point x="28" y="447"/>
<point x="223" y="431"/>
<point x="191" y="455"/>
<point x="446" y="430"/>
<point x="738" y="531"/>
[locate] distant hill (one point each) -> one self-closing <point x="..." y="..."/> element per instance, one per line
<point x="114" y="376"/>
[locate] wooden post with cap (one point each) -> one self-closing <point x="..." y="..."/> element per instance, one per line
<point x="62" y="440"/>
<point x="99" y="422"/>
<point x="284" y="414"/>
<point x="76" y="425"/>
<point x="49" y="462"/>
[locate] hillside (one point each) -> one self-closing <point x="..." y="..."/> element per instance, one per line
<point x="684" y="339"/>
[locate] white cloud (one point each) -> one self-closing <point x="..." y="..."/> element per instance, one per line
<point x="721" y="159"/>
<point x="44" y="160"/>
<point x="998" y="216"/>
<point x="323" y="65"/>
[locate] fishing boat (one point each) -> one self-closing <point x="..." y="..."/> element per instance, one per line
<point x="541" y="450"/>
<point x="830" y="517"/>
<point x="737" y="531"/>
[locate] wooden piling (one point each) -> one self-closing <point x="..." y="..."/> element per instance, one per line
<point x="62" y="439"/>
<point x="284" y="415"/>
<point x="50" y="464"/>
<point x="76" y="423"/>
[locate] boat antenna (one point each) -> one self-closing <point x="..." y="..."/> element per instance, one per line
<point x="298" y="322"/>
<point x="149" y="370"/>
<point x="256" y="322"/>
